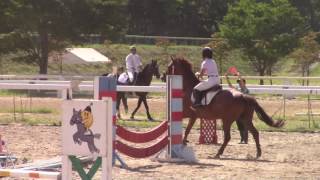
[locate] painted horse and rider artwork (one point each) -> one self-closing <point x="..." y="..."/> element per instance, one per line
<point x="84" y="127"/>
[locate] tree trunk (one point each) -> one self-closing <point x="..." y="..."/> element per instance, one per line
<point x="269" y="73"/>
<point x="302" y="75"/>
<point x="44" y="48"/>
<point x="261" y="73"/>
<point x="308" y="73"/>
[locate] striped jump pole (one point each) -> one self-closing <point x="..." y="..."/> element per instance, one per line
<point x="174" y="113"/>
<point x="107" y="87"/>
<point x="17" y="173"/>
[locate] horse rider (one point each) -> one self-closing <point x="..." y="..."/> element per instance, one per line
<point x="209" y="68"/>
<point x="241" y="89"/>
<point x="133" y="64"/>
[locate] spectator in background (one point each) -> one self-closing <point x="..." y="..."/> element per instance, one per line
<point x="122" y="79"/>
<point x="133" y="64"/>
<point x="241" y="89"/>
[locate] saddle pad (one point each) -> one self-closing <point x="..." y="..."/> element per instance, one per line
<point x="207" y="98"/>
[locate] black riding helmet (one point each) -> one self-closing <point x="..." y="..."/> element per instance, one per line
<point x="207" y="52"/>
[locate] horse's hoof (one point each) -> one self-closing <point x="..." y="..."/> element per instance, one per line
<point x="131" y="118"/>
<point x="185" y="142"/>
<point x="150" y="119"/>
<point x="118" y="116"/>
<point x="258" y="155"/>
<point x="217" y="156"/>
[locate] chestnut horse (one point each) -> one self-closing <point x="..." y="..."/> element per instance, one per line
<point x="224" y="106"/>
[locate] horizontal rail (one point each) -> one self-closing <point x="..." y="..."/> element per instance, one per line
<point x="141" y="88"/>
<point x="36" y="81"/>
<point x="156" y="87"/>
<point x="27" y="86"/>
<point x="64" y="77"/>
<point x="29" y="174"/>
<point x="284" y="91"/>
<point x="276" y="86"/>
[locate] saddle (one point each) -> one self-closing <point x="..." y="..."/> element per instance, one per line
<point x="208" y="95"/>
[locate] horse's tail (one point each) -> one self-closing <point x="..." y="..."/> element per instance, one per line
<point x="262" y="115"/>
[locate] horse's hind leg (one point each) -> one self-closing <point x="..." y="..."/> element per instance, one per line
<point x="119" y="96"/>
<point x="227" y="137"/>
<point x="249" y="125"/>
<point x="138" y="106"/>
<point x="125" y="102"/>
<point x="144" y="100"/>
<point x="255" y="135"/>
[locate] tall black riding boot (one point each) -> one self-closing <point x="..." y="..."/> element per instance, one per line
<point x="197" y="98"/>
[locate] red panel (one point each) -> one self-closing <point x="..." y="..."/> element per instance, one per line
<point x="176" y="139"/>
<point x="141" y="152"/>
<point x="112" y="94"/>
<point x="176" y="116"/>
<point x="34" y="175"/>
<point x="208" y="132"/>
<point x="177" y="93"/>
<point x="142" y="137"/>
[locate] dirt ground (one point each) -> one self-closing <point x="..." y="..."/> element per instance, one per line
<point x="284" y="155"/>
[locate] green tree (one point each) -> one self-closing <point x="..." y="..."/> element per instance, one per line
<point x="311" y="10"/>
<point x="176" y="17"/>
<point x="221" y="50"/>
<point x="40" y="27"/>
<point x="265" y="31"/>
<point x="307" y="53"/>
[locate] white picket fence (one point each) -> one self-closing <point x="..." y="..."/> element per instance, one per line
<point x="67" y="86"/>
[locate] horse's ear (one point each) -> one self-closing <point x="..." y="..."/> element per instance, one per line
<point x="173" y="60"/>
<point x="74" y="110"/>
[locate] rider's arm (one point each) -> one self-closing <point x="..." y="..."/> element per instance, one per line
<point x="241" y="79"/>
<point x="228" y="81"/>
<point x="129" y="63"/>
<point x="203" y="70"/>
<point x="202" y="73"/>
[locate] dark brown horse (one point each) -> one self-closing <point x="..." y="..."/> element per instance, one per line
<point x="224" y="106"/>
<point x="144" y="78"/>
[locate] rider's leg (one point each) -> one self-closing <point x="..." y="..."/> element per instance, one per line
<point x="204" y="85"/>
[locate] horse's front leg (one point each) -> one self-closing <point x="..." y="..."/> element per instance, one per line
<point x="191" y="122"/>
<point x="144" y="100"/>
<point x="118" y="104"/>
<point x="76" y="138"/>
<point x="227" y="137"/>
<point x="138" y="106"/>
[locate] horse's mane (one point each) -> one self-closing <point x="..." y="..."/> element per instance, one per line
<point x="186" y="64"/>
<point x="144" y="68"/>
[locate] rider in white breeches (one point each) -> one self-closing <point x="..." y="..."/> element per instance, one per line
<point x="209" y="68"/>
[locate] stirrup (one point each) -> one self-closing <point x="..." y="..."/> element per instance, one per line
<point x="196" y="105"/>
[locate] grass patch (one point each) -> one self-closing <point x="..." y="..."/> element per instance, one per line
<point x="18" y="110"/>
<point x="5" y="93"/>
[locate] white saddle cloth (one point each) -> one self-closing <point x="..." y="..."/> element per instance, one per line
<point x="207" y="98"/>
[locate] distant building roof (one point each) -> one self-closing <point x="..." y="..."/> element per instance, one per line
<point x="83" y="56"/>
